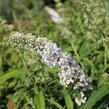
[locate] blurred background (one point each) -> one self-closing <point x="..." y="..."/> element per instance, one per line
<point x="79" y="27"/>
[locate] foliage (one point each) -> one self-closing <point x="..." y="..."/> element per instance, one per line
<point x="27" y="82"/>
<point x="101" y="92"/>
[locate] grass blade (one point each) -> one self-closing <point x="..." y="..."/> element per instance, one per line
<point x="101" y="92"/>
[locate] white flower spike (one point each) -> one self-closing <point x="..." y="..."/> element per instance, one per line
<point x="69" y="71"/>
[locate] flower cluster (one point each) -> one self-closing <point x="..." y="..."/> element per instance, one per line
<point x="52" y="56"/>
<point x="81" y="99"/>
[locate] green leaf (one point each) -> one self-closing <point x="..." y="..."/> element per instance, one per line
<point x="54" y="70"/>
<point x="100" y="93"/>
<point x="9" y="75"/>
<point x="87" y="48"/>
<point x="52" y="101"/>
<point x="68" y="100"/>
<point x="39" y="101"/>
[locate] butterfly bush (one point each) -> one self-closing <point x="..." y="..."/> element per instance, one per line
<point x="69" y="71"/>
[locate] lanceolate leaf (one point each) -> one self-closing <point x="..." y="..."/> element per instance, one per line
<point x="68" y="100"/>
<point x="52" y="101"/>
<point x="11" y="75"/>
<point x="101" y="92"/>
<point x="39" y="101"/>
